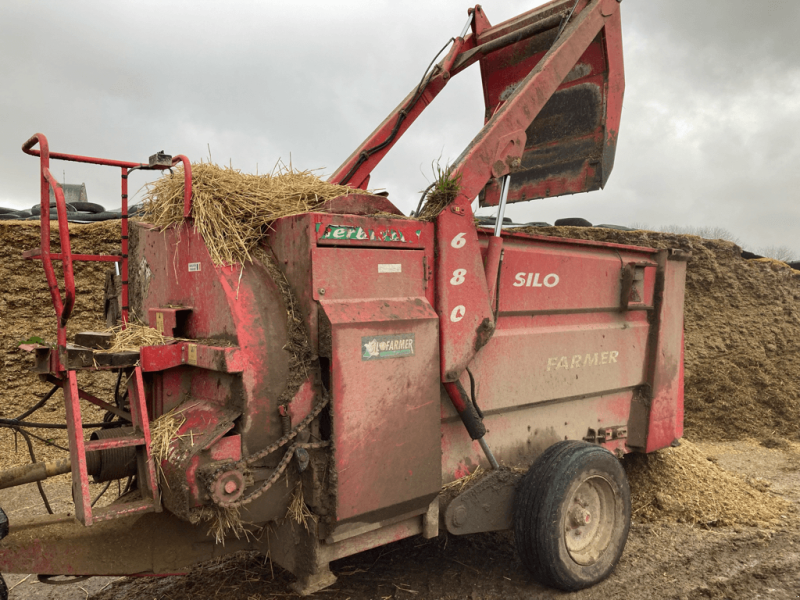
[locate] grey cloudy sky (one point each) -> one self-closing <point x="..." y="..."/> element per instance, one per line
<point x="709" y="133"/>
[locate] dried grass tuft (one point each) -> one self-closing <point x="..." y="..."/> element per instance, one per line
<point x="222" y="522"/>
<point x="459" y="484"/>
<point x="233" y="210"/>
<point x="298" y="511"/>
<point x="134" y="336"/>
<point x="162" y="431"/>
<point x="443" y="191"/>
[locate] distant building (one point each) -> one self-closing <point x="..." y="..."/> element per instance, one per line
<point x="73" y="192"/>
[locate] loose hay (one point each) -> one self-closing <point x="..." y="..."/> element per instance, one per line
<point x="298" y="511"/>
<point x="682" y="484"/>
<point x="221" y="522"/>
<point x="134" y="336"/>
<point x="460" y="484"/>
<point x="233" y="210"/>
<point x="164" y="430"/>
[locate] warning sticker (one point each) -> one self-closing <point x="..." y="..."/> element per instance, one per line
<point x="387" y="268"/>
<point x="194" y="267"/>
<point x="387" y="346"/>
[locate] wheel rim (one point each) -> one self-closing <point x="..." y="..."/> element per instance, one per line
<point x="589" y="520"/>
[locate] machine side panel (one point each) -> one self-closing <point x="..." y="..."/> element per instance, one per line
<point x="385" y="407"/>
<point x="518" y="436"/>
<point x="545" y="277"/>
<point x="551" y="357"/>
<point x="373" y="273"/>
<point x="666" y="408"/>
<point x="242" y="307"/>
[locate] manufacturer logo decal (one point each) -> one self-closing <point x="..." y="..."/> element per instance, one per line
<point x="387" y="346"/>
<point x="347" y="232"/>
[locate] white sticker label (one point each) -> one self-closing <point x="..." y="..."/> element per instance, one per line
<point x="194" y="267"/>
<point x="390" y="268"/>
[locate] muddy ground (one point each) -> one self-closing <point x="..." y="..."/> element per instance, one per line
<point x="663" y="559"/>
<point x="717" y="518"/>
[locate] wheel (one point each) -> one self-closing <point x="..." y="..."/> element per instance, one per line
<point x="572" y="513"/>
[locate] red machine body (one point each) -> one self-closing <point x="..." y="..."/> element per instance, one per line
<point x="431" y="342"/>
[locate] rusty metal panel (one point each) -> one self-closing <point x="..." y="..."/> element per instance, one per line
<point x="666" y="377"/>
<point x="342" y="273"/>
<point x="571" y="143"/>
<point x="385" y="406"/>
<point x="546" y="276"/>
<point x="520" y="433"/>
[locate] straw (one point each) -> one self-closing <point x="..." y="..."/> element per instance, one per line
<point x="134" y="336"/>
<point x="233" y="210"/>
<point x="459" y="484"/>
<point x="298" y="511"/>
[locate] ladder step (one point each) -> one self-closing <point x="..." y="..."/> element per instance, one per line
<point x="106" y="513"/>
<point x="110" y="443"/>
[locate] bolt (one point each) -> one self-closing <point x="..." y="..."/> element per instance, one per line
<point x="231" y="487"/>
<point x="460" y="515"/>
<point x="580" y="517"/>
<point x="321" y="291"/>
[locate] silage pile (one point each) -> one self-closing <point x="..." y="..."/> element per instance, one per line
<point x="26" y="310"/>
<point x="682" y="484"/>
<point x="233" y="210"/>
<point x="742" y="322"/>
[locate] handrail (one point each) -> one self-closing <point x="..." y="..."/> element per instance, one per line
<point x="187" y="184"/>
<point x="27" y="148"/>
<point x="63" y="308"/>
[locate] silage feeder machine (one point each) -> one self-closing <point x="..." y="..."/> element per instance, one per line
<point x="438" y="346"/>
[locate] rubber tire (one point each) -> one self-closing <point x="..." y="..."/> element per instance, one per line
<point x="90" y="207"/>
<point x="572" y="222"/>
<point x="36" y="209"/>
<point x="3" y="589"/>
<point x="540" y="513"/>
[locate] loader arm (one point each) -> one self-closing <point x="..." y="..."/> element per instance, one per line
<point x="465" y="311"/>
<point x="533" y="57"/>
<point x="559" y="60"/>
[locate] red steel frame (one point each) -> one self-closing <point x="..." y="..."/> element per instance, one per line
<point x="68" y="377"/>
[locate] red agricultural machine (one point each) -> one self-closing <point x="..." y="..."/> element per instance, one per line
<point x="436" y="347"/>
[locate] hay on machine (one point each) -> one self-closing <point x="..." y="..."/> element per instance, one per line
<point x="233" y="210"/>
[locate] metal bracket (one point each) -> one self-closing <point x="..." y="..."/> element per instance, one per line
<point x="159" y="159"/>
<point x="509" y="153"/>
<point x="606" y="434"/>
<point x="486" y="506"/>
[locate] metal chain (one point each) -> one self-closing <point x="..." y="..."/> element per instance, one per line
<point x="288" y="437"/>
<point x="273" y="478"/>
<point x="279" y="470"/>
